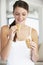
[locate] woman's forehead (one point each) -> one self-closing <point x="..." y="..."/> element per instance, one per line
<point x="20" y="9"/>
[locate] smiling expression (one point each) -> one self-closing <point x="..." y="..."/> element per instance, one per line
<point x="20" y="14"/>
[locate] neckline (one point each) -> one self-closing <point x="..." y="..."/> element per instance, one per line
<point x="20" y="40"/>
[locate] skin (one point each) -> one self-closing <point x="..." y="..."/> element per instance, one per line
<point x="20" y="15"/>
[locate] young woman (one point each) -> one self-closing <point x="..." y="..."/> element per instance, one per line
<point x="20" y="46"/>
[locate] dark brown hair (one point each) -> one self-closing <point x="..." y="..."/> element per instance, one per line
<point x="19" y="4"/>
<point x="22" y="4"/>
<point x="12" y="24"/>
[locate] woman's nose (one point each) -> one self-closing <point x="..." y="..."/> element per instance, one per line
<point x="20" y="17"/>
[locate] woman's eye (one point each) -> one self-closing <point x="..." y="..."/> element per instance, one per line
<point x="24" y="14"/>
<point x="17" y="14"/>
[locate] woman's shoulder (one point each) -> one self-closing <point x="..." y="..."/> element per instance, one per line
<point x="5" y="29"/>
<point x="34" y="31"/>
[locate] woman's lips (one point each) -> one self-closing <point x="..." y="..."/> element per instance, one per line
<point x="20" y="21"/>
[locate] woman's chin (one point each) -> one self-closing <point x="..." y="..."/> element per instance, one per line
<point x="21" y="22"/>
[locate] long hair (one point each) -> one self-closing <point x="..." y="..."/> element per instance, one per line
<point x="22" y="4"/>
<point x="12" y="24"/>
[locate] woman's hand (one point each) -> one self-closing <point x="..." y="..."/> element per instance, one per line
<point x="12" y="32"/>
<point x="34" y="52"/>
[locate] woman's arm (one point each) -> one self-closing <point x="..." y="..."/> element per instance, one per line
<point x="4" y="42"/>
<point x="34" y="44"/>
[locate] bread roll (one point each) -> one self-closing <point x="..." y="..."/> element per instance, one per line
<point x="28" y="43"/>
<point x="18" y="26"/>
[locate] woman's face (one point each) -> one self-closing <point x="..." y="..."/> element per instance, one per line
<point x="20" y="14"/>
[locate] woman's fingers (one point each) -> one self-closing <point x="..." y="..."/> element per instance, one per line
<point x="12" y="32"/>
<point x="14" y="28"/>
<point x="33" y="46"/>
